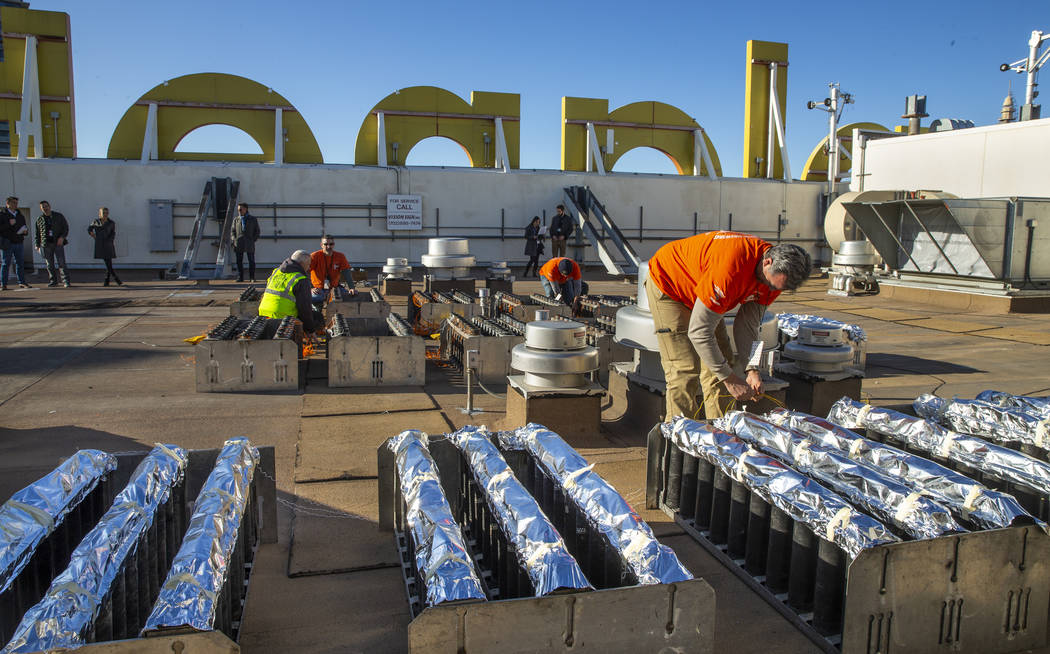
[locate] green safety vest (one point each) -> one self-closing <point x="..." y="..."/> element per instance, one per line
<point x="279" y="301"/>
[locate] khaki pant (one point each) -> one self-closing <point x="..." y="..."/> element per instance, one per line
<point x="558" y="247"/>
<point x="683" y="370"/>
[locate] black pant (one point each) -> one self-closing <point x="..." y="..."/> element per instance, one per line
<point x="534" y="263"/>
<point x="240" y="265"/>
<point x="110" y="271"/>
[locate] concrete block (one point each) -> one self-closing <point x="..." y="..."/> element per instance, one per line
<point x="572" y="417"/>
<point x="396" y="287"/>
<point x="505" y="285"/>
<point x="448" y="285"/>
<point x="815" y="396"/>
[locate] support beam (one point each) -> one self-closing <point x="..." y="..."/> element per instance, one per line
<point x="149" y="138"/>
<point x="381" y="140"/>
<point x="594" y="151"/>
<point x="278" y="137"/>
<point x="502" y="161"/>
<point x="30" y="124"/>
<point x="778" y="123"/>
<point x="701" y="153"/>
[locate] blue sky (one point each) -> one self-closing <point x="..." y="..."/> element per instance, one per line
<point x="335" y="60"/>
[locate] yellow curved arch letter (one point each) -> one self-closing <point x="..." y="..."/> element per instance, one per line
<point x="153" y="126"/>
<point x="589" y="127"/>
<point x="487" y="128"/>
<point x="816" y="169"/>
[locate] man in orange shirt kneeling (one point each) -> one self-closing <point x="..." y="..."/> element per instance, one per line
<point x="561" y="279"/>
<point x="692" y="283"/>
<point x="327" y="269"/>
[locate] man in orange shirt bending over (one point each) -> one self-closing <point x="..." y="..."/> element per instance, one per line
<point x="692" y="283"/>
<point x="327" y="268"/>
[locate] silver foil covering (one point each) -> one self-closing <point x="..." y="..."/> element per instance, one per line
<point x="997" y="423"/>
<point x="789" y="323"/>
<point x="441" y="555"/>
<point x="969" y="499"/>
<point x="1038" y="406"/>
<point x="606" y="510"/>
<point x="540" y="550"/>
<point x="865" y="486"/>
<point x="33" y="512"/>
<point x="934" y="480"/>
<point x="65" y="614"/>
<point x="806" y="501"/>
<point x="190" y="593"/>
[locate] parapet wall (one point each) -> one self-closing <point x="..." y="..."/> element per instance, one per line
<point x="490" y="207"/>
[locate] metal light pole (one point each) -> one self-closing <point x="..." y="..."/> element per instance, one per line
<point x="834" y="106"/>
<point x="1030" y="65"/>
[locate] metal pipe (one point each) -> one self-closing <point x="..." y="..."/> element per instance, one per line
<point x="736" y="533"/>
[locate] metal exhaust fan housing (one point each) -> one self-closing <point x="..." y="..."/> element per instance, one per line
<point x="820" y="349"/>
<point x="555" y="355"/>
<point x="448" y="258"/>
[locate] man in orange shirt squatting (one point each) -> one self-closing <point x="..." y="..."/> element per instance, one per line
<point x="561" y="279"/>
<point x="327" y="269"/>
<point x="692" y="283"/>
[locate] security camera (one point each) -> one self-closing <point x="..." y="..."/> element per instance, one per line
<point x="1004" y="67"/>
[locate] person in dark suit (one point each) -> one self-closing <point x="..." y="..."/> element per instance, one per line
<point x="561" y="229"/>
<point x="13" y="230"/>
<point x="104" y="231"/>
<point x="533" y="246"/>
<point x="243" y="235"/>
<point x="52" y="234"/>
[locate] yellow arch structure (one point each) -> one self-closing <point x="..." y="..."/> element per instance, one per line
<point x="816" y="169"/>
<point x="419" y="112"/>
<point x="766" y="76"/>
<point x="640" y="124"/>
<point x="191" y="101"/>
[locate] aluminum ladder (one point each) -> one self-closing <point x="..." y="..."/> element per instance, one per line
<point x="216" y="191"/>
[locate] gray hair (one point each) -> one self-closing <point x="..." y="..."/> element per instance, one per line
<point x="792" y="261"/>
<point x="301" y="257"/>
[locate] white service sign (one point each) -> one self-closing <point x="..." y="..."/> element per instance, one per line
<point x="404" y="212"/>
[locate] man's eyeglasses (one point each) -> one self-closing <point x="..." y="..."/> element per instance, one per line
<point x="328" y="243"/>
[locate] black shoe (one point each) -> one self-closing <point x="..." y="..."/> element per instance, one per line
<point x="23" y="285"/>
<point x="106" y="283"/>
<point x="117" y="280"/>
<point x="52" y="284"/>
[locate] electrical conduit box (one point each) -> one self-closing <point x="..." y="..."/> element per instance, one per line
<point x="358" y="356"/>
<point x="260" y="354"/>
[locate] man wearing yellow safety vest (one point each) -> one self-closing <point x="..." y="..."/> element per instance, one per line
<point x="288" y="292"/>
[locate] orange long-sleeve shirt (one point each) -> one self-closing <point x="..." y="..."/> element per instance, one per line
<point x="550" y="271"/>
<point x="324" y="267"/>
<point x="717" y="268"/>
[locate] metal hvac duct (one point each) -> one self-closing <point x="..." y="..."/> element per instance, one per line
<point x="998" y="239"/>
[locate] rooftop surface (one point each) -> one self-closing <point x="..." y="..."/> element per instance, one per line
<point x="107" y="368"/>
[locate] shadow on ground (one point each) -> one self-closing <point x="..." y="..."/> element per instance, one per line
<point x="890" y="365"/>
<point x="35" y="359"/>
